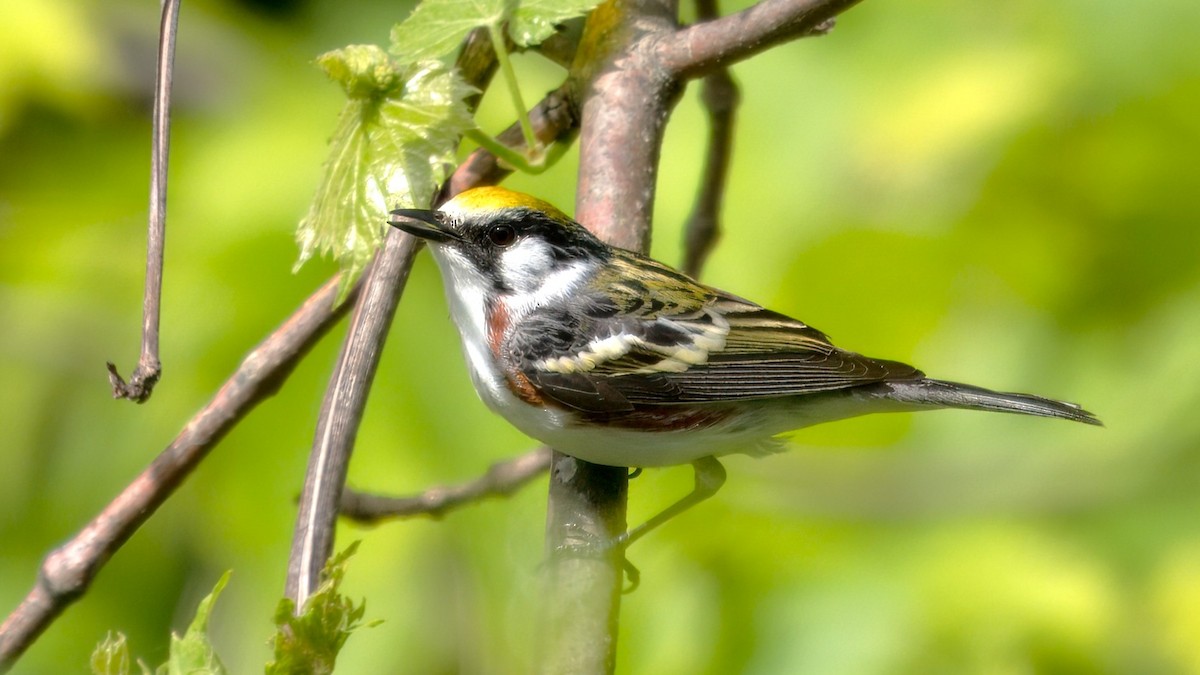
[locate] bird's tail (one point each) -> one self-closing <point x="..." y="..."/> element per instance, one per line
<point x="954" y="395"/>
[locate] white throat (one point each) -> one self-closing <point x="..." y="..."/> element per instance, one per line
<point x="467" y="292"/>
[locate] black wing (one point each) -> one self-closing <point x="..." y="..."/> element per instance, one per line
<point x="654" y="336"/>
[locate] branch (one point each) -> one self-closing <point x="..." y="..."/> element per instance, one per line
<point x="501" y="480"/>
<point x="698" y="49"/>
<point x="149" y="368"/>
<point x="68" y="571"/>
<point x="477" y="62"/>
<point x="341" y="413"/>
<point x="624" y="108"/>
<point x="720" y="97"/>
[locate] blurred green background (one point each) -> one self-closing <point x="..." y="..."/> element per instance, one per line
<point x="1001" y="193"/>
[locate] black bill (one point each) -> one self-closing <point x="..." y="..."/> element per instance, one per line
<point x="421" y="223"/>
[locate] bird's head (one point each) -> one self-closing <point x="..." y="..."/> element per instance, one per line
<point x="500" y="241"/>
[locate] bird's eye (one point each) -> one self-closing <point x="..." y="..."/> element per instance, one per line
<point x="502" y="235"/>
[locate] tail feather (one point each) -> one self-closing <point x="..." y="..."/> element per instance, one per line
<point x="955" y="395"/>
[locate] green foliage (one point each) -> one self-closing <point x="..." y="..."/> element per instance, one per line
<point x="111" y="656"/>
<point x="310" y="642"/>
<point x="393" y="145"/>
<point x="191" y="654"/>
<point x="403" y="120"/>
<point x="437" y="27"/>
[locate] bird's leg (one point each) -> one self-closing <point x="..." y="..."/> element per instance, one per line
<point x="710" y="476"/>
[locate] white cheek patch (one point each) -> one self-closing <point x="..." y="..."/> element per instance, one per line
<point x="526" y="264"/>
<point x="549" y="283"/>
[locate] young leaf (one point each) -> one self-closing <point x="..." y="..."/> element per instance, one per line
<point x="310" y="642"/>
<point x="436" y="27"/>
<point x="535" y="20"/>
<point x="111" y="656"/>
<point x="193" y="654"/>
<point x="394" y="143"/>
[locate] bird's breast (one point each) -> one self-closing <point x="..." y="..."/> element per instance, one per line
<point x="498" y="315"/>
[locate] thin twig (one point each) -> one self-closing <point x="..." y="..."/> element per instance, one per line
<point x="68" y="570"/>
<point x="698" y="49"/>
<point x="501" y="480"/>
<point x="720" y="97"/>
<point x="149" y="368"/>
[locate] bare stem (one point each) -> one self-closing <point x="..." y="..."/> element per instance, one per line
<point x="501" y="480"/>
<point x="149" y="368"/>
<point x="514" y="89"/>
<point x="720" y="97"/>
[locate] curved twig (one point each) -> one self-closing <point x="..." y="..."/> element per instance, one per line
<point x="149" y="368"/>
<point x="555" y="119"/>
<point x="720" y="97"/>
<point x="501" y="480"/>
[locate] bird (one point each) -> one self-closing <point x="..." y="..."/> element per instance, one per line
<point x="611" y="357"/>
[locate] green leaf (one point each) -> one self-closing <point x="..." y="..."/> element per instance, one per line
<point x="394" y="143"/>
<point x="535" y="20"/>
<point x="310" y="642"/>
<point x="111" y="656"/>
<point x="437" y="27"/>
<point x="193" y="654"/>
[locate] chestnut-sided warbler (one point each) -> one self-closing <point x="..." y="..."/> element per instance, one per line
<point x="616" y="359"/>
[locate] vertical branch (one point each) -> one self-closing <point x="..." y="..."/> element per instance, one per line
<point x="149" y="368"/>
<point x="626" y="100"/>
<point x="720" y="97"/>
<point x="582" y="605"/>
<point x="624" y="106"/>
<point x="341" y="413"/>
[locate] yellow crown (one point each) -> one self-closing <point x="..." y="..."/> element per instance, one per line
<point x="481" y="200"/>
